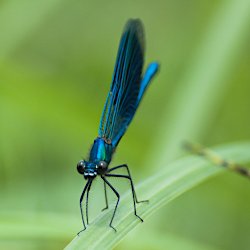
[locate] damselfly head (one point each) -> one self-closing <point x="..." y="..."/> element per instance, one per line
<point x="87" y="169"/>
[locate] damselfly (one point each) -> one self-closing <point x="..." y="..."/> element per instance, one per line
<point x="127" y="89"/>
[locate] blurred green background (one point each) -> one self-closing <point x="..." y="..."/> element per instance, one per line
<point x="56" y="63"/>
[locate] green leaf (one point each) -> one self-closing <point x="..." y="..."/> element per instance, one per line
<point x="161" y="188"/>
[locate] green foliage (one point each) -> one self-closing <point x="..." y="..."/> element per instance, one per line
<point x="161" y="188"/>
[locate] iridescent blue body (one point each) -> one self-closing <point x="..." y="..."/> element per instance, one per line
<point x="127" y="89"/>
<point x="101" y="151"/>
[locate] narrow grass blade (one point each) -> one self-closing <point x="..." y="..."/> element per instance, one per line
<point x="160" y="189"/>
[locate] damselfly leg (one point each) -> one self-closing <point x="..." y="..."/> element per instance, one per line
<point x="81" y="198"/>
<point x="87" y="202"/>
<point x="118" y="199"/>
<point x="106" y="197"/>
<point x="133" y="193"/>
<point x="131" y="181"/>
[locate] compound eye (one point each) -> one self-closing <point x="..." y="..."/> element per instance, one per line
<point x="80" y="167"/>
<point x="102" y="165"/>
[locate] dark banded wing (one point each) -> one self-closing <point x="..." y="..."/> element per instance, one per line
<point x="122" y="100"/>
<point x="128" y="86"/>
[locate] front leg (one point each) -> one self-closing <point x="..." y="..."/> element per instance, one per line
<point x="130" y="178"/>
<point x="81" y="198"/>
<point x="87" y="202"/>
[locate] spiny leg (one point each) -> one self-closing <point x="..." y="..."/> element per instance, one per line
<point x="198" y="149"/>
<point x="131" y="181"/>
<point x="118" y="199"/>
<point x="87" y="201"/>
<point x="133" y="194"/>
<point x="106" y="197"/>
<point x="81" y="198"/>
